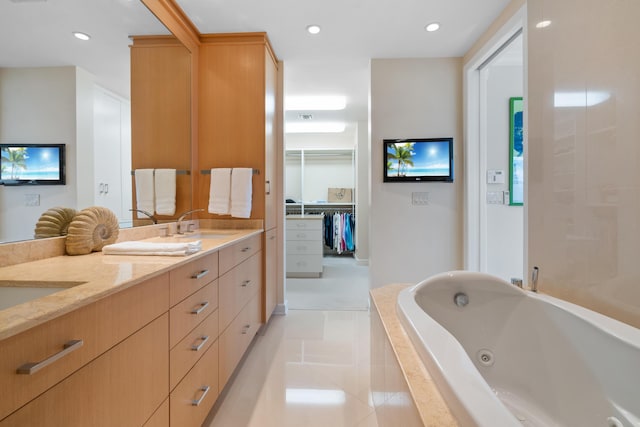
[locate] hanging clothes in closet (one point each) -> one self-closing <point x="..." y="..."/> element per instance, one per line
<point x="339" y="231"/>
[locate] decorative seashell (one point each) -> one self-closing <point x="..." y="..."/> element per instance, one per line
<point x="54" y="222"/>
<point x="91" y="229"/>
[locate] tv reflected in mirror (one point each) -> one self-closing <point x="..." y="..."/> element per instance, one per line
<point x="418" y="160"/>
<point x="32" y="164"/>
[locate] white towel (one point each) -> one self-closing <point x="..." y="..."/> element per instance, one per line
<point x="165" y="188"/>
<point x="152" y="248"/>
<point x="241" y="191"/>
<point x="219" y="191"/>
<point x="145" y="196"/>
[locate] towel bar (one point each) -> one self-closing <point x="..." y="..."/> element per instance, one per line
<point x="208" y="171"/>
<point x="178" y="172"/>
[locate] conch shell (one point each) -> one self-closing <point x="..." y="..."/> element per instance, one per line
<point x="91" y="229"/>
<point x="54" y="222"/>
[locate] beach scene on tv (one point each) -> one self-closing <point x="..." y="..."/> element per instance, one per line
<point x="30" y="163"/>
<point x="413" y="159"/>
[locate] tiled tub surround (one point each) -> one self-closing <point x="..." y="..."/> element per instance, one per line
<point x="403" y="391"/>
<point x="504" y="356"/>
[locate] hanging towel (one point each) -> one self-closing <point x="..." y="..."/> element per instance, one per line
<point x="165" y="188"/>
<point x="241" y="192"/>
<point x="219" y="191"/>
<point x="145" y="197"/>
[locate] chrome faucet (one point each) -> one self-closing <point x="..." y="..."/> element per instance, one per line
<point x="181" y="218"/>
<point x="151" y="217"/>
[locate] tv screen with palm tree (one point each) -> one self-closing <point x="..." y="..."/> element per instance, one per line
<point x="24" y="164"/>
<point x="418" y="159"/>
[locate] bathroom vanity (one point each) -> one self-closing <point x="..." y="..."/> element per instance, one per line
<point x="139" y="340"/>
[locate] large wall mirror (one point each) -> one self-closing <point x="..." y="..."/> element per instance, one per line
<point x="57" y="89"/>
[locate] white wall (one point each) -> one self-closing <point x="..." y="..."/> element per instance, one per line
<point x="505" y="224"/>
<point x="413" y="98"/>
<point x="362" y="195"/>
<point x="37" y="105"/>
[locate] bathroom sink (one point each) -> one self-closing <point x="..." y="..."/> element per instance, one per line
<point x="14" y="292"/>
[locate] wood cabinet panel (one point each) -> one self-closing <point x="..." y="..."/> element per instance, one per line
<point x="191" y="348"/>
<point x="238" y="286"/>
<point x="191" y="390"/>
<point x="99" y="325"/>
<point x="190" y="277"/>
<point x="270" y="274"/>
<point x="160" y="418"/>
<point x="191" y="311"/>
<point x="122" y="387"/>
<point x="234" y="255"/>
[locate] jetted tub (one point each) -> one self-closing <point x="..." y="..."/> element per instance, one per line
<point x="510" y="357"/>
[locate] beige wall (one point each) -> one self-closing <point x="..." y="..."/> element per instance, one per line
<point x="583" y="153"/>
<point x="415" y="98"/>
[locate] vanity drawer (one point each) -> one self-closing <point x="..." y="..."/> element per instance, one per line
<point x="190" y="277"/>
<point x="190" y="312"/>
<point x="192" y="399"/>
<point x="184" y="355"/>
<point x="160" y="418"/>
<point x="234" y="255"/>
<point x="99" y="326"/>
<point x="237" y="287"/>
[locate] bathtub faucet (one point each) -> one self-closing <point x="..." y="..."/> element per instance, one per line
<point x="534" y="279"/>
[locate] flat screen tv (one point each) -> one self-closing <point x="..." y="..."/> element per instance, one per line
<point x="32" y="164"/>
<point x="418" y="159"/>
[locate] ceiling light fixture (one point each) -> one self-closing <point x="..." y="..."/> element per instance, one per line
<point x="81" y="36"/>
<point x="310" y="103"/>
<point x="543" y="24"/>
<point x="313" y="29"/>
<point x="311" y="127"/>
<point x="434" y="26"/>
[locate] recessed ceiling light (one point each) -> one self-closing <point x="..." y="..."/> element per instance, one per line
<point x="313" y="29"/>
<point x="311" y="127"/>
<point x="434" y="26"/>
<point x="543" y="24"/>
<point x="310" y="103"/>
<point x="81" y="36"/>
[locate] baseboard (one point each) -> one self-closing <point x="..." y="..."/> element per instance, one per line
<point x="281" y="309"/>
<point x="360" y="261"/>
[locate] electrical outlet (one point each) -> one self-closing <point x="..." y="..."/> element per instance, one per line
<point x="420" y="198"/>
<point x="32" y="200"/>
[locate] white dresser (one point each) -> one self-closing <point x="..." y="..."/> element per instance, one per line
<point x="304" y="245"/>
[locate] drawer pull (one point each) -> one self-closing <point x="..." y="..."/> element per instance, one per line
<point x="248" y="248"/>
<point x="202" y="306"/>
<point x="200" y="275"/>
<point x="245" y="283"/>
<point x="204" y="339"/>
<point x="245" y="329"/>
<point x="33" y="367"/>
<point x="205" y="390"/>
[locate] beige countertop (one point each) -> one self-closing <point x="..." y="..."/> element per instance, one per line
<point x="429" y="402"/>
<point x="101" y="275"/>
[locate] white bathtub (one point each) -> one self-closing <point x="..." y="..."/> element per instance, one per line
<point x="517" y="358"/>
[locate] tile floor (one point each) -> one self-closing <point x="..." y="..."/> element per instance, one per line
<point x="306" y="369"/>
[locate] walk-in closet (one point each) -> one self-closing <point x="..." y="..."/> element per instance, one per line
<point x="320" y="233"/>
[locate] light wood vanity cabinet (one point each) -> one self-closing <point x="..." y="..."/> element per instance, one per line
<point x="119" y="368"/>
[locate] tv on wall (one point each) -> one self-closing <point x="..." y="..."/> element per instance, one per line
<point x="418" y="159"/>
<point x="32" y="164"/>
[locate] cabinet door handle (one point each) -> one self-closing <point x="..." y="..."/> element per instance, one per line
<point x="245" y="283"/>
<point x="204" y="390"/>
<point x="33" y="367"/>
<point x="202" y="306"/>
<point x="200" y="275"/>
<point x="272" y="237"/>
<point x="197" y="347"/>
<point x="245" y="329"/>
<point x="268" y="187"/>
<point x="245" y="249"/>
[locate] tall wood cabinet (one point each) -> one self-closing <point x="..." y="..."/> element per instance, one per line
<point x="237" y="126"/>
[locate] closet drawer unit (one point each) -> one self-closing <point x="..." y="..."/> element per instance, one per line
<point x="190" y="312"/>
<point x="234" y="255"/>
<point x="190" y="277"/>
<point x="192" y="399"/>
<point x="304" y="247"/>
<point x="307" y="264"/>
<point x="188" y="351"/>
<point x="295" y="235"/>
<point x="237" y="286"/>
<point x="301" y="223"/>
<point x="63" y="345"/>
